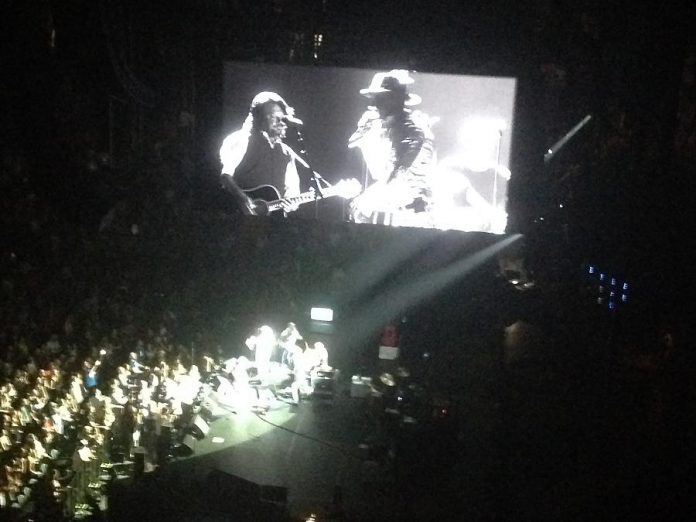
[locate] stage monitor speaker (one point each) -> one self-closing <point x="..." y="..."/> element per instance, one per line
<point x="186" y="448"/>
<point x="199" y="428"/>
<point x="221" y="384"/>
<point x="189" y="442"/>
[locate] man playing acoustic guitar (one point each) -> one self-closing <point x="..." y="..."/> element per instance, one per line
<point x="255" y="155"/>
<point x="260" y="170"/>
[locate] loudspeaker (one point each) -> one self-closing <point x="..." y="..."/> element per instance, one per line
<point x="189" y="442"/>
<point x="186" y="448"/>
<point x="199" y="428"/>
<point x="164" y="445"/>
<point x="221" y="384"/>
<point x="138" y="462"/>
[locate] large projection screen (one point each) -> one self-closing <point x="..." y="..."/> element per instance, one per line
<point x="470" y="119"/>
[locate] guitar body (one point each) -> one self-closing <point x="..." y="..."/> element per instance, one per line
<point x="260" y="196"/>
<point x="265" y="199"/>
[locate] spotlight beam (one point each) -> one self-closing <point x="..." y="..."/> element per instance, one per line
<point x="565" y="139"/>
<point x="375" y="267"/>
<point x="386" y="306"/>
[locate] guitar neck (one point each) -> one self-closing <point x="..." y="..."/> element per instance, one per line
<point x="305" y="197"/>
<point x="344" y="188"/>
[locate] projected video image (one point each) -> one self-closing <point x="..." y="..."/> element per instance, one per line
<point x="388" y="147"/>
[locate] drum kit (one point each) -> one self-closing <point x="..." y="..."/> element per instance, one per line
<point x="323" y="383"/>
<point x="392" y="379"/>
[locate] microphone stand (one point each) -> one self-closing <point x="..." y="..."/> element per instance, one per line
<point x="316" y="177"/>
<point x="494" y="202"/>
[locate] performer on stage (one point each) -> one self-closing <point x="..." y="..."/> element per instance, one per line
<point x="289" y="341"/>
<point x="397" y="146"/>
<point x="307" y="360"/>
<point x="256" y="154"/>
<point x="262" y="344"/>
<point x="317" y="356"/>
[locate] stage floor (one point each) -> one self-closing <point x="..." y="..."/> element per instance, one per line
<point x="311" y="449"/>
<point x="308" y="448"/>
<point x="538" y="443"/>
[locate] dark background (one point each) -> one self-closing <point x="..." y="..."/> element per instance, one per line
<point x="114" y="79"/>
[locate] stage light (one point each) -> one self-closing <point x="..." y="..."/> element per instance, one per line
<point x="477" y="126"/>
<point x="612" y="305"/>
<point x="480" y="138"/>
<point x="591" y="270"/>
<point x="601" y="277"/>
<point x="613" y="281"/>
<point x="625" y="286"/>
<point x="624" y="298"/>
<point x="321" y="314"/>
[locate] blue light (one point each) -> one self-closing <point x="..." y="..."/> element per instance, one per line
<point x="591" y="270"/>
<point x="613" y="281"/>
<point x="612" y="305"/>
<point x="601" y="277"/>
<point x="624" y="298"/>
<point x="625" y="286"/>
<point x="612" y="294"/>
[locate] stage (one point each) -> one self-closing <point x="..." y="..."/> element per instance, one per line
<point x="291" y="461"/>
<point x="528" y="439"/>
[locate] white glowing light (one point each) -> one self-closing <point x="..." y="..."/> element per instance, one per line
<point x="321" y="314"/>
<point x="480" y="140"/>
<point x="481" y="129"/>
<point x="388" y="353"/>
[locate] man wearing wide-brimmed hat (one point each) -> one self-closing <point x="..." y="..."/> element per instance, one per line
<point x="397" y="146"/>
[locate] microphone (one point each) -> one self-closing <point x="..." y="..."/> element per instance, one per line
<point x="292" y="120"/>
<point x="355" y="139"/>
<point x="369" y="117"/>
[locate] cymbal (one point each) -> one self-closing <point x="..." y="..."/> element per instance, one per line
<point x="402" y="372"/>
<point x="388" y="379"/>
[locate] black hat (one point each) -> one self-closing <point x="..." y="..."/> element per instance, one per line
<point x="395" y="81"/>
